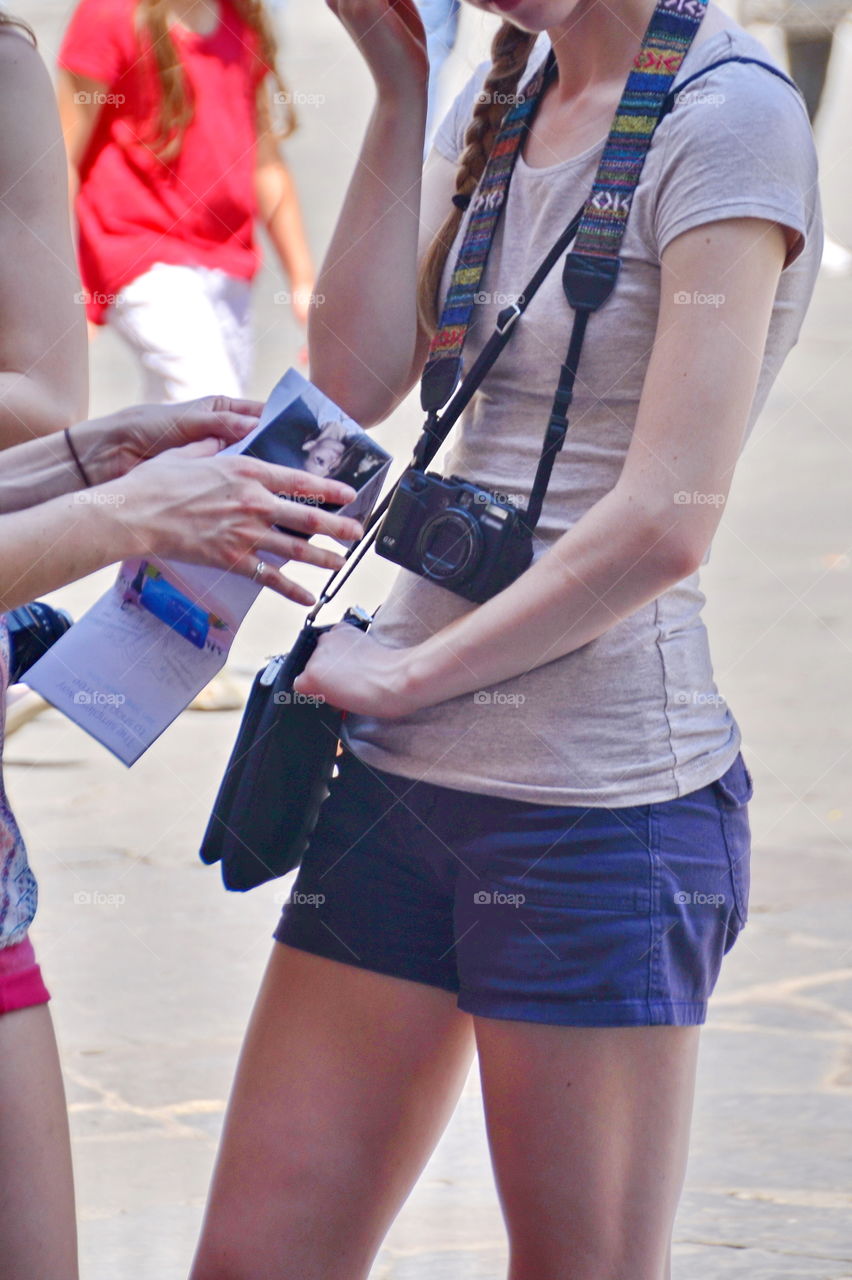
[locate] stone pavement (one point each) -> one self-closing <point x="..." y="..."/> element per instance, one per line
<point x="154" y="967"/>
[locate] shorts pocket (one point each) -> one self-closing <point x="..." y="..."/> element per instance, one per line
<point x="733" y="792"/>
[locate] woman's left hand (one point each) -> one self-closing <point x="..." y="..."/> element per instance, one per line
<point x="351" y="670"/>
<point x="110" y="447"/>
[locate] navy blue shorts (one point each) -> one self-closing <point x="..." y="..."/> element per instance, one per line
<point x="581" y="917"/>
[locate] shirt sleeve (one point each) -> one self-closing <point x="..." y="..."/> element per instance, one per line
<point x="738" y="145"/>
<point x="100" y="41"/>
<point x="449" y="136"/>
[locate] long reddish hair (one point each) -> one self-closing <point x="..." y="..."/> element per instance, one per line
<point x="176" y="106"/>
<point x="510" y="53"/>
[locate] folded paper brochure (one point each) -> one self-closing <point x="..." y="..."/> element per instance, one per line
<point x="140" y="655"/>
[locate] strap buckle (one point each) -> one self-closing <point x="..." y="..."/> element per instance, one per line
<point x="507" y="318"/>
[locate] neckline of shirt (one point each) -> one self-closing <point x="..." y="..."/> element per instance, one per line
<point x="583" y="156"/>
<point x="188" y="36"/>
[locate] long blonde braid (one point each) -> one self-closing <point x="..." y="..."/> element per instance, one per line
<point x="510" y="53"/>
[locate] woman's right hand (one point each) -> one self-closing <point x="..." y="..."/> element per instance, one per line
<point x="391" y="38"/>
<point x="189" y="504"/>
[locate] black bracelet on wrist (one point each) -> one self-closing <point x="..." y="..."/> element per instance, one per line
<point x="75" y="455"/>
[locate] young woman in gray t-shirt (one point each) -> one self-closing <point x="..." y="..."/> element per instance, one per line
<point x="538" y="841"/>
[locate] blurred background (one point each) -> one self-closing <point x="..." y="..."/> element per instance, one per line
<point x="153" y="967"/>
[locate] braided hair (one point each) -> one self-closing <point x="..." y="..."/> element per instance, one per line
<point x="510" y="53"/>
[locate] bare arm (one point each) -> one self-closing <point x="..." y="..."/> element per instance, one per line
<point x="640" y="538"/>
<point x="43" y="364"/>
<point x="79" y="101"/>
<point x="281" y="214"/>
<point x="363" y="336"/>
<point x="185" y="504"/>
<point x="39" y="470"/>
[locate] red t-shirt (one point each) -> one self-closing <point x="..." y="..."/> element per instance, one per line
<point x="134" y="209"/>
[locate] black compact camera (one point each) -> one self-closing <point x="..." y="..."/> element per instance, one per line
<point x="33" y="628"/>
<point x="459" y="536"/>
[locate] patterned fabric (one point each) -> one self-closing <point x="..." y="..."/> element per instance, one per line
<point x="669" y="35"/>
<point x="485" y="209"/>
<point x="18" y="889"/>
<point x="666" y="41"/>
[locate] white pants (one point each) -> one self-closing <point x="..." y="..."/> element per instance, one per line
<point x="191" y="330"/>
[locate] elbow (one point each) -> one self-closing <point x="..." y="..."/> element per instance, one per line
<point x="680" y="557"/>
<point x="667" y="529"/>
<point x="678" y="548"/>
<point x="673" y="539"/>
<point x="368" y="405"/>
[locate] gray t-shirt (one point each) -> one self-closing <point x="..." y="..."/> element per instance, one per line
<point x="633" y="717"/>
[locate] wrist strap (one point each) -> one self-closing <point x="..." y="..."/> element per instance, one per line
<point x="75" y="455"/>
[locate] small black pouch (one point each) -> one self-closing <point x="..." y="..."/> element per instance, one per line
<point x="279" y="772"/>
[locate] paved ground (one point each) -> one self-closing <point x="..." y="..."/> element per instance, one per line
<point x="152" y="994"/>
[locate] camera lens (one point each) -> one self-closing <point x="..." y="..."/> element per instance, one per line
<point x="33" y="628"/>
<point x="450" y="546"/>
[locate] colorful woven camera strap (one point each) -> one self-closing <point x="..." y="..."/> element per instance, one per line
<point x="591" y="268"/>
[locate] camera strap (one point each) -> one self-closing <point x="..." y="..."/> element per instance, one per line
<point x="591" y="268"/>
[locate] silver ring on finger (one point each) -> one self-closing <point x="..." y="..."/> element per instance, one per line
<point x="259" y="571"/>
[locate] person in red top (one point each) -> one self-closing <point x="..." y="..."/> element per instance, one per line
<point x="168" y="121"/>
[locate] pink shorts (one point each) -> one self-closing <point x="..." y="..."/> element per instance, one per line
<point x="21" y="983"/>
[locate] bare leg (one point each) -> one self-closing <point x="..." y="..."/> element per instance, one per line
<point x="589" y="1129"/>
<point x="37" y="1225"/>
<point x="346" y="1081"/>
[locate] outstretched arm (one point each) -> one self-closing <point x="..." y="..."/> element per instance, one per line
<point x="364" y="336"/>
<point x="280" y="212"/>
